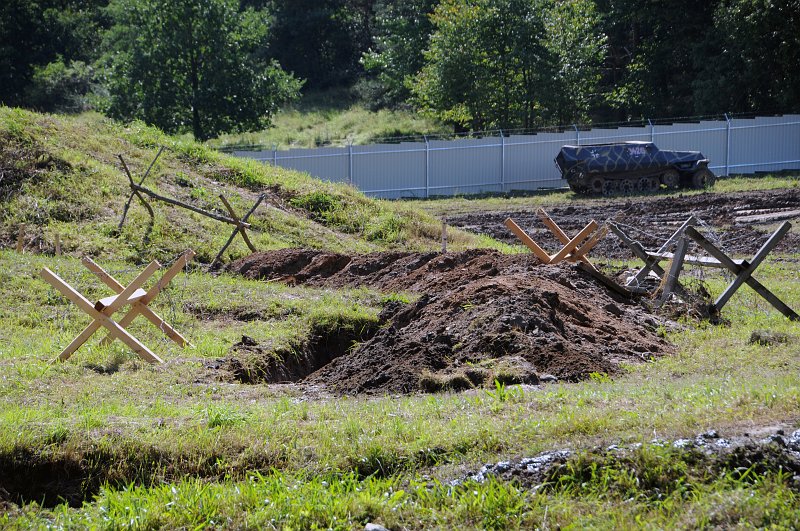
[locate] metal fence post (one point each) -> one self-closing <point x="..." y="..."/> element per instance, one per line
<point x="727" y="146"/>
<point x="427" y="166"/>
<point x="502" y="162"/>
<point x="577" y="135"/>
<point x="274" y="154"/>
<point x="652" y="131"/>
<point x="350" y="165"/>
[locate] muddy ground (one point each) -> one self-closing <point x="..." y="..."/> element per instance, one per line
<point x="741" y="221"/>
<point x="480" y="316"/>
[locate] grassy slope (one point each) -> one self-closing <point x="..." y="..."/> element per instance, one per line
<point x="210" y="452"/>
<point x="333" y="119"/>
<point x="66" y="179"/>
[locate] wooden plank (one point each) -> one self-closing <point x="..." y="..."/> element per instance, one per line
<point x="736" y="269"/>
<point x="574" y="242"/>
<point x="122" y="299"/>
<point x="141" y="308"/>
<point x="104" y="277"/>
<point x="233" y="234"/>
<point x="528" y="241"/>
<point x="748" y="270"/>
<point x="606" y="281"/>
<point x="690" y="222"/>
<point x="768" y="218"/>
<point x="590" y="243"/>
<point x="21" y="238"/>
<point x="704" y="261"/>
<point x="116" y="330"/>
<point x="674" y="270"/>
<point x="240" y="225"/>
<point x="560" y="234"/>
<point x="638" y="250"/>
<point x="108" y="301"/>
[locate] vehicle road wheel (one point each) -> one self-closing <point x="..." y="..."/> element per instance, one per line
<point x="653" y="184"/>
<point x="627" y="187"/>
<point x="671" y="178"/>
<point x="703" y="178"/>
<point x="609" y="188"/>
<point x="596" y="185"/>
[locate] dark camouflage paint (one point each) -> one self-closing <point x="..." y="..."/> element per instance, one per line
<point x="638" y="163"/>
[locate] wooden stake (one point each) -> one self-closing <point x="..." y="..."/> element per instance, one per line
<point x="58" y="244"/>
<point x="21" y="238"/>
<point x="444" y="237"/>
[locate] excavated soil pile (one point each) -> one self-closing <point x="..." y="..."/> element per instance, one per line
<point x="481" y="316"/>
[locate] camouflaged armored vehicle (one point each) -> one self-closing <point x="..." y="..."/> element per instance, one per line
<point x="628" y="167"/>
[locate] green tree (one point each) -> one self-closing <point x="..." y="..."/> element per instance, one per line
<point x="45" y="46"/>
<point x="751" y="62"/>
<point x="510" y="63"/>
<point x="321" y="41"/>
<point x="652" y="55"/>
<point x="192" y="65"/>
<point x="401" y="34"/>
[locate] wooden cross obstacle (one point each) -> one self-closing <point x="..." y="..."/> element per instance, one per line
<point x="571" y="250"/>
<point x="139" y="191"/>
<point x="241" y="227"/>
<point x="652" y="259"/>
<point x="744" y="269"/>
<point x="133" y="295"/>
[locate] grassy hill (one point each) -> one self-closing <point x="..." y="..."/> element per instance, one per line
<point x="333" y="118"/>
<point x="61" y="175"/>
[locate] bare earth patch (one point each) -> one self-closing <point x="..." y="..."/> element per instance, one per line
<point x="481" y="316"/>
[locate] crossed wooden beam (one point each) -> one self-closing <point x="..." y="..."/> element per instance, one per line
<point x="572" y="250"/>
<point x="744" y="270"/>
<point x="133" y="295"/>
<point x="241" y="227"/>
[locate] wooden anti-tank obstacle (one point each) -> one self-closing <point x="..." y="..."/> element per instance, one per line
<point x="139" y="191"/>
<point x="571" y="250"/>
<point x="103" y="310"/>
<point x="743" y="269"/>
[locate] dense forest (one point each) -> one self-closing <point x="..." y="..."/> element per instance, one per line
<point x="214" y="66"/>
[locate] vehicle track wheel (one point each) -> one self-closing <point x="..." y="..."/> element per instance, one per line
<point x="653" y="184"/>
<point x="671" y="178"/>
<point x="596" y="185"/>
<point x="627" y="187"/>
<point x="703" y="178"/>
<point x="609" y="188"/>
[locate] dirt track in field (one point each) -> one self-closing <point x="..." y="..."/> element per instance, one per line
<point x="732" y="217"/>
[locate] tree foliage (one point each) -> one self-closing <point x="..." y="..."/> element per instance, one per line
<point x="756" y="58"/>
<point x="213" y="66"/>
<point x="321" y="41"/>
<point x="510" y="63"/>
<point x="401" y="34"/>
<point x="36" y="34"/>
<point x="191" y="65"/>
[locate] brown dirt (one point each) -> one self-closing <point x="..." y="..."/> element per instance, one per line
<point x="652" y="220"/>
<point x="481" y="316"/>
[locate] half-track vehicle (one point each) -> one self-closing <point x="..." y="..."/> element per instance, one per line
<point x="628" y="167"/>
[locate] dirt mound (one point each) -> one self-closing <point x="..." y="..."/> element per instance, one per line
<point x="481" y="316"/>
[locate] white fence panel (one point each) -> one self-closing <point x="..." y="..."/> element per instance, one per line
<point x="529" y="161"/>
<point x="329" y="164"/>
<point x="390" y="170"/>
<point x="525" y="162"/>
<point x="769" y="143"/>
<point x="465" y="166"/>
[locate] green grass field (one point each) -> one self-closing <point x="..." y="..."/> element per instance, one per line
<point x="178" y="445"/>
